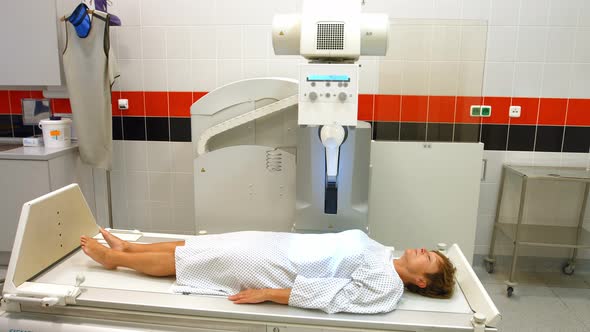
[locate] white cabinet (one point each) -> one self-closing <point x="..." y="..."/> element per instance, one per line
<point x="28" y="33"/>
<point x="24" y="180"/>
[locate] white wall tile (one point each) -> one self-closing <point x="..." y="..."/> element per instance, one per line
<point x="159" y="217"/>
<point x="504" y="12"/>
<point x="368" y="76"/>
<point x="560" y="44"/>
<point x="390" y="77"/>
<point x="131" y="78"/>
<point x="556" y="80"/>
<point x="154" y="75"/>
<point x="118" y="156"/>
<point x="584" y="14"/>
<point x="139" y="213"/>
<point x="129" y="43"/>
<point x="502" y="43"/>
<point x="182" y="187"/>
<point x="582" y="51"/>
<point x="229" y="71"/>
<point x="179" y="75"/>
<point x="416" y="43"/>
<point x="534" y="12"/>
<point x="159" y="156"/>
<point x="495" y="161"/>
<point x="178" y="43"/>
<point x="488" y="197"/>
<point x="255" y="68"/>
<point x="527" y="79"/>
<point x="418" y="9"/>
<point x="483" y="233"/>
<point x="153" y="43"/>
<point x="119" y="200"/>
<point x="498" y="79"/>
<point x="230" y="42"/>
<point x="160" y="186"/>
<point x="135" y="155"/>
<point x="395" y="38"/>
<point x="137" y="185"/>
<point x="446" y="43"/>
<point x="532" y="42"/>
<point x="204" y="75"/>
<point x="415" y="77"/>
<point x="473" y="43"/>
<point x="448" y="9"/>
<point x="200" y="12"/>
<point x="444" y="78"/>
<point x="183" y="217"/>
<point x="182" y="157"/>
<point x="177" y="12"/>
<point x="476" y="9"/>
<point x="128" y="12"/>
<point x="471" y="78"/>
<point x="564" y="12"/>
<point x="257" y="41"/>
<point x="284" y="68"/>
<point x="580" y="81"/>
<point x="247" y="12"/>
<point x="204" y="42"/>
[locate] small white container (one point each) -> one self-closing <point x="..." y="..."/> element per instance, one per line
<point x="56" y="133"/>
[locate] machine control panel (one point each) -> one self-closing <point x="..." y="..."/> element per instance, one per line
<point x="328" y="94"/>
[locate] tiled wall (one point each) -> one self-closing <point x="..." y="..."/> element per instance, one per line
<point x="443" y="56"/>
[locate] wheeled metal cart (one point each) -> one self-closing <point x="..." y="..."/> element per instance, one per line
<point x="529" y="234"/>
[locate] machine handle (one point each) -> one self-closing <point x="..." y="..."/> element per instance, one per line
<point x="44" y="302"/>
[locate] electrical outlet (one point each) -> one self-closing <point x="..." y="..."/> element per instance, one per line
<point x="475" y="110"/>
<point x="514" y="111"/>
<point x="123" y="104"/>
<point x="486" y="111"/>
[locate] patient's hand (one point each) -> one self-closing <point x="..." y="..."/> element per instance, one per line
<point x="250" y="296"/>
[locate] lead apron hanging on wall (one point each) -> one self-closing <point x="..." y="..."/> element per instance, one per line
<point x="90" y="69"/>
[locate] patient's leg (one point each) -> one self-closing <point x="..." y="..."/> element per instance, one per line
<point x="155" y="263"/>
<point x="121" y="245"/>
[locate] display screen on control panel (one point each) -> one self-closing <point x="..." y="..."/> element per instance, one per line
<point x="328" y="78"/>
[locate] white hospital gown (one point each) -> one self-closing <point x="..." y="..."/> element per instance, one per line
<point x="339" y="272"/>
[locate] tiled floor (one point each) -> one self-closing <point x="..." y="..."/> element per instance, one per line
<point x="541" y="301"/>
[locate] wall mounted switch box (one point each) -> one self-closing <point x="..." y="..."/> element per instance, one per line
<point x="475" y="110"/>
<point x="486" y="111"/>
<point x="123" y="104"/>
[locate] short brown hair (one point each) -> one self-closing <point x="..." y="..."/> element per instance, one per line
<point x="440" y="284"/>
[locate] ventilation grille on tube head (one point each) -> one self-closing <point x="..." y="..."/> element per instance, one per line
<point x="330" y="36"/>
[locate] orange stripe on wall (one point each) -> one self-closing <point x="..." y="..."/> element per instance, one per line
<point x="4" y="102"/>
<point x="414" y="108"/>
<point x="578" y="112"/>
<point x="441" y="109"/>
<point x="529" y="108"/>
<point x="552" y="111"/>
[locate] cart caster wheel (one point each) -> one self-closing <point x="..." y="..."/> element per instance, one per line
<point x="509" y="291"/>
<point x="568" y="269"/>
<point x="489" y="266"/>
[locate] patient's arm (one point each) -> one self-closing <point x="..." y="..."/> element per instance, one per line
<point x="280" y="296"/>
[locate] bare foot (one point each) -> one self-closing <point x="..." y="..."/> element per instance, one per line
<point x="114" y="242"/>
<point x="97" y="251"/>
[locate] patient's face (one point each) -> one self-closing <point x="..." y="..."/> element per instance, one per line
<point x="421" y="261"/>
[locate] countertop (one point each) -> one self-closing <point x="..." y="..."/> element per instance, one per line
<point x="32" y="153"/>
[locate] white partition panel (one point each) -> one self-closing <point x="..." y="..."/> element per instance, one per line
<point x="422" y="194"/>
